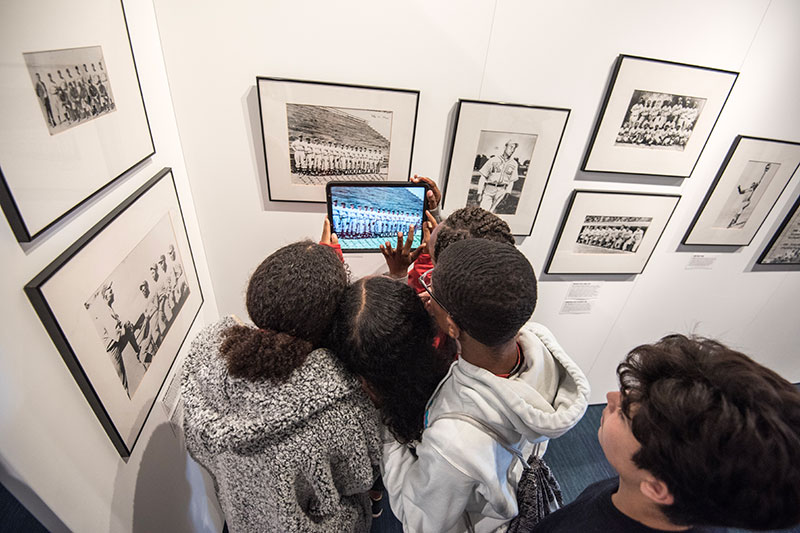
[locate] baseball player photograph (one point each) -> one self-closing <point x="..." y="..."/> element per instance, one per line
<point x="501" y="165"/>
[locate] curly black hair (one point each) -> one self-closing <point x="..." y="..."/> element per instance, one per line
<point x="471" y="222"/>
<point x="291" y="298"/>
<point x="488" y="288"/>
<point x="722" y="432"/>
<point x="383" y="333"/>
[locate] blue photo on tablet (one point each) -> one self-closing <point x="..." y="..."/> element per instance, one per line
<point x="365" y="215"/>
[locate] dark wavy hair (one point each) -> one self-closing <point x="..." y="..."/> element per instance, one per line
<point x="471" y="222"/>
<point x="383" y="333"/>
<point x="489" y="288"/>
<point x="291" y="298"/>
<point x="722" y="432"/>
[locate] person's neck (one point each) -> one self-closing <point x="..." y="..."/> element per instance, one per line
<point x="630" y="501"/>
<point x="496" y="359"/>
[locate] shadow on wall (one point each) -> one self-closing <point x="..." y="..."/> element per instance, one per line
<point x="161" y="500"/>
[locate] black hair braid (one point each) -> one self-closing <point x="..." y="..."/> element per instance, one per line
<point x="291" y="298"/>
<point x="471" y="222"/>
<point x="383" y="334"/>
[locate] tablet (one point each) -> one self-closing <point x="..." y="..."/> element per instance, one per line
<point x="366" y="214"/>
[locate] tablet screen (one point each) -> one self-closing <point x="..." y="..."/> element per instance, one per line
<point x="366" y="215"/>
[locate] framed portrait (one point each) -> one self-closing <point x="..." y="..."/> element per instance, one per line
<point x="656" y="117"/>
<point x="752" y="177"/>
<point x="610" y="232"/>
<point x="501" y="159"/>
<point x="784" y="246"/>
<point x="74" y="119"/>
<point x="317" y="132"/>
<point x="119" y="303"/>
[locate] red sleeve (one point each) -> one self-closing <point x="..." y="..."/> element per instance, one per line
<point x="336" y="248"/>
<point x="423" y="263"/>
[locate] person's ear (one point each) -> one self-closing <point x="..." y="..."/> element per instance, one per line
<point x="452" y="328"/>
<point x="656" y="490"/>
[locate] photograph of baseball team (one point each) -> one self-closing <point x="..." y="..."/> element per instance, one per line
<point x="365" y="218"/>
<point x="71" y="85"/>
<point x="611" y="234"/>
<point x="659" y="120"/>
<point x="501" y="164"/>
<point x="134" y="308"/>
<point x="332" y="143"/>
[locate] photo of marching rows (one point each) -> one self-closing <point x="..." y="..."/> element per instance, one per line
<point x="133" y="309"/>
<point x="331" y="143"/>
<point x="610" y="234"/>
<point x="72" y="86"/>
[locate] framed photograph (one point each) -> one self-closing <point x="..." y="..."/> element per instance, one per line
<point x="119" y="303"/>
<point x="784" y="247"/>
<point x="610" y="232"/>
<point x="317" y="132"/>
<point x="73" y="115"/>
<point x="656" y="117"/>
<point x="501" y="159"/>
<point x="752" y="177"/>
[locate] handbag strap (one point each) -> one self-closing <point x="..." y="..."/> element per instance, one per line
<point x="488" y="430"/>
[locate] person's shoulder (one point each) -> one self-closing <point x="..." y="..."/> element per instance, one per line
<point x="587" y="513"/>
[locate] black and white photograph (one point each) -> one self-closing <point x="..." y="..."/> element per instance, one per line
<point x="316" y="132"/>
<point x="71" y="96"/>
<point x="501" y="159"/>
<point x="748" y="184"/>
<point x="134" y="308"/>
<point x="119" y="304"/>
<point x="501" y="165"/>
<point x="784" y="247"/>
<point x="656" y="117"/>
<point x="611" y="235"/>
<point x="333" y="143"/>
<point x="744" y="198"/>
<point x="72" y="86"/>
<point x="659" y="121"/>
<point x="610" y="232"/>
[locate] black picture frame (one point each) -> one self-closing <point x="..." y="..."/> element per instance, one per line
<point x="752" y="177"/>
<point x="482" y="128"/>
<point x="586" y="242"/>
<point x="82" y="145"/>
<point x="75" y="292"/>
<point x="356" y="132"/>
<point x="681" y="104"/>
<point x="786" y="239"/>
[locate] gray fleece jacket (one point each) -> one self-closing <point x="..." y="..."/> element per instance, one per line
<point x="297" y="455"/>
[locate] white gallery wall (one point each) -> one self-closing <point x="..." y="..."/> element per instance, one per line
<point x="544" y="53"/>
<point x="55" y="456"/>
<point x="197" y="64"/>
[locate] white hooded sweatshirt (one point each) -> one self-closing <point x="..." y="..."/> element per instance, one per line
<point x="459" y="467"/>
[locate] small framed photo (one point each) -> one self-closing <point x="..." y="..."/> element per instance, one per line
<point x="656" y="117"/>
<point x="119" y="303"/>
<point x="752" y="177"/>
<point x="784" y="247"/>
<point x="317" y="132"/>
<point x="610" y="232"/>
<point x="74" y="119"/>
<point x="501" y="159"/>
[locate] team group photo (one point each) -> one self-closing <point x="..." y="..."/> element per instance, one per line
<point x="72" y="86"/>
<point x="610" y="234"/>
<point x="329" y="143"/>
<point x="659" y="120"/>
